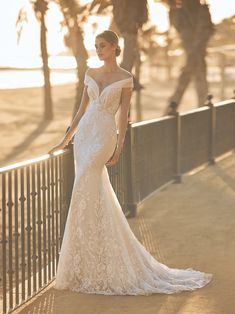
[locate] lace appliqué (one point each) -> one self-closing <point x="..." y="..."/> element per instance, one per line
<point x="100" y="253"/>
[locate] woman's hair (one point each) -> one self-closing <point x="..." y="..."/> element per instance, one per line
<point x="112" y="38"/>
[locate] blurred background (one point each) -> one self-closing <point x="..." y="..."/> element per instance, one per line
<point x="178" y="51"/>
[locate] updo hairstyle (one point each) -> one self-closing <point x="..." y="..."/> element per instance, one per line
<point x="112" y="38"/>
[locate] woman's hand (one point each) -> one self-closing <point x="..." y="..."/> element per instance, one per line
<point x="114" y="159"/>
<point x="57" y="147"/>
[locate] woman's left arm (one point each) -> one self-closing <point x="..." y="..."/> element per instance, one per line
<point x="122" y="124"/>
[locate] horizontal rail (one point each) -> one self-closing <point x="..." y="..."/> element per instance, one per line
<point x="28" y="162"/>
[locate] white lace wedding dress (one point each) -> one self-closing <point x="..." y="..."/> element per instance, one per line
<point x="100" y="254"/>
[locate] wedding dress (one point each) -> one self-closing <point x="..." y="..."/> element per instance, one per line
<point x="99" y="253"/>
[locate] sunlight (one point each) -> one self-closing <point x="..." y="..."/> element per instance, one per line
<point x="94" y="26"/>
<point x="55" y="35"/>
<point x="94" y="62"/>
<point x="31" y="30"/>
<point x="83" y="2"/>
<point x="27" y="53"/>
<point x="29" y="45"/>
<point x="24" y="79"/>
<point x="158" y="14"/>
<point x="221" y="9"/>
<point x="196" y="304"/>
<point x="56" y="153"/>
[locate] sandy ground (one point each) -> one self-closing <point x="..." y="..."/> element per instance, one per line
<point x="183" y="225"/>
<point x="24" y="135"/>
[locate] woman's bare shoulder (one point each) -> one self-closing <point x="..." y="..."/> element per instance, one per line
<point x="126" y="74"/>
<point x="90" y="71"/>
<point x="94" y="71"/>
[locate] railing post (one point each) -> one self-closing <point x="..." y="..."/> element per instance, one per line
<point x="212" y="123"/>
<point x="178" y="176"/>
<point x="68" y="173"/>
<point x="234" y="112"/>
<point x="131" y="205"/>
<point x="222" y="75"/>
<point x="4" y="245"/>
<point x="138" y="88"/>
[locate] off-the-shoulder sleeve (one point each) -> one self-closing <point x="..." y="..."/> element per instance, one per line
<point x="129" y="82"/>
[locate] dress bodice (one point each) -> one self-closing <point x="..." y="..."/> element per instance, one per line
<point x="108" y="99"/>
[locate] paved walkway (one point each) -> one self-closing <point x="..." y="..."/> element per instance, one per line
<point x="191" y="224"/>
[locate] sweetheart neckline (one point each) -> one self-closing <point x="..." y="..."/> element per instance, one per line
<point x="100" y="93"/>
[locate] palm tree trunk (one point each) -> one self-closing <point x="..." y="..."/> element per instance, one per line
<point x="81" y="56"/>
<point x="130" y="50"/>
<point x="48" y="112"/>
<point x="193" y="22"/>
<point x="129" y="16"/>
<point x="75" y="42"/>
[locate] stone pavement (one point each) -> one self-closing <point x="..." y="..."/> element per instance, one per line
<point x="187" y="225"/>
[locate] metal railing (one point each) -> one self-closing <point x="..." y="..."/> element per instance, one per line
<point x="165" y="148"/>
<point x="34" y="202"/>
<point x="35" y="197"/>
<point x="35" y="194"/>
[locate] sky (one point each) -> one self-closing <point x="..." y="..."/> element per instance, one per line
<point x="29" y="43"/>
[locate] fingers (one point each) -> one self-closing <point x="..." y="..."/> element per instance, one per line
<point x="51" y="151"/>
<point x="112" y="162"/>
<point x="56" y="148"/>
<point x="109" y="163"/>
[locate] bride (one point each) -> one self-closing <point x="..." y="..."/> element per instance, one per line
<point x="99" y="252"/>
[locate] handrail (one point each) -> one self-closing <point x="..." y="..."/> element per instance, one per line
<point x="28" y="162"/>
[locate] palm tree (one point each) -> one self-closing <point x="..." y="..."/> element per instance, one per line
<point x="129" y="16"/>
<point x="192" y="20"/>
<point x="74" y="17"/>
<point x="225" y="33"/>
<point x="40" y="9"/>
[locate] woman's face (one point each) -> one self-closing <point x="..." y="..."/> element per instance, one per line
<point x="104" y="49"/>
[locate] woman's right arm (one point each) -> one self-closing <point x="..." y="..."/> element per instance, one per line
<point x="73" y="127"/>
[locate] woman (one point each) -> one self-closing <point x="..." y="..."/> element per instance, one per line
<point x="100" y="253"/>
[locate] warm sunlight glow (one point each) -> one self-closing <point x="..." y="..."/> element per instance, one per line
<point x="83" y="2"/>
<point x="23" y="79"/>
<point x="26" y="54"/>
<point x="56" y="153"/>
<point x="221" y="9"/>
<point x="196" y="304"/>
<point x="94" y="26"/>
<point x="55" y="35"/>
<point x="29" y="44"/>
<point x="158" y="14"/>
<point x="94" y="62"/>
